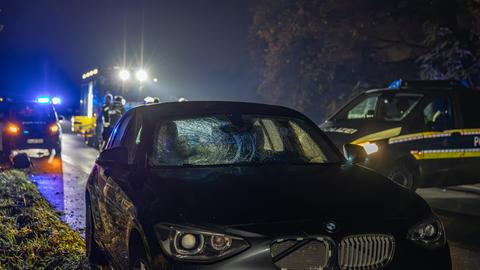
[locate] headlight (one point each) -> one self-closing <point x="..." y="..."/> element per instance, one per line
<point x="13" y="129"/>
<point x="54" y="129"/>
<point x="369" y="148"/>
<point x="192" y="244"/>
<point x="428" y="233"/>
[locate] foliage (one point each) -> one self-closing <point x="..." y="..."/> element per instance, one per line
<point x="32" y="236"/>
<point x="447" y="57"/>
<point x="314" y="54"/>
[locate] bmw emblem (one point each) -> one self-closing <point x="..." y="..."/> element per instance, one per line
<point x="330" y="226"/>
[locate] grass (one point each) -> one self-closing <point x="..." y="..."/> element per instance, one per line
<point x="32" y="235"/>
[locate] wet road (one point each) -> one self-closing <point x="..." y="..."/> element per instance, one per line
<point x="62" y="182"/>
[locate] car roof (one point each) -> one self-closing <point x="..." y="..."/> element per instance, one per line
<point x="220" y="107"/>
<point x="30" y="103"/>
<point x="420" y="90"/>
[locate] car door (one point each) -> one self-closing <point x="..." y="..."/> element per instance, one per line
<point x="121" y="211"/>
<point x="469" y="141"/>
<point x="107" y="187"/>
<point x="432" y="147"/>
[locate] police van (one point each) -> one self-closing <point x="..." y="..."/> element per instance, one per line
<point x="418" y="133"/>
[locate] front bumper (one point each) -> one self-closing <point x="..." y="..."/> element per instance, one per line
<point x="407" y="256"/>
<point x="22" y="142"/>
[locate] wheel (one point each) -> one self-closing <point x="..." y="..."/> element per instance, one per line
<point x="95" y="254"/>
<point x="138" y="257"/>
<point x="404" y="177"/>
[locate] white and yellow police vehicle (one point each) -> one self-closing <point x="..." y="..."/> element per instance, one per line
<point x="418" y="133"/>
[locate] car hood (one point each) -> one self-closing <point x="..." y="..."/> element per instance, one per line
<point x="342" y="132"/>
<point x="274" y="194"/>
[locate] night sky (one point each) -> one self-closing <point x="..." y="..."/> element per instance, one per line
<point x="197" y="49"/>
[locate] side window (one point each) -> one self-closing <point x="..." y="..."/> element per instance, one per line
<point x="132" y="138"/>
<point x="118" y="132"/>
<point x="470" y="109"/>
<point x="397" y="107"/>
<point x="365" y="109"/>
<point x="437" y="114"/>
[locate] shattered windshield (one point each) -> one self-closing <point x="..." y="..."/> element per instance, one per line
<point x="223" y="140"/>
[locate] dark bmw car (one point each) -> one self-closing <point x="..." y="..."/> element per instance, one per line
<point x="30" y="125"/>
<point x="225" y="185"/>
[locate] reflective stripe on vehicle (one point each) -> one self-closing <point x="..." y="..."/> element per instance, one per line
<point x="445" y="153"/>
<point x="432" y="134"/>
<point x="385" y="134"/>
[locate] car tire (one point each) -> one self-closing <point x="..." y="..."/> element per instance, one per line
<point x="95" y="255"/>
<point x="404" y="176"/>
<point x="138" y="257"/>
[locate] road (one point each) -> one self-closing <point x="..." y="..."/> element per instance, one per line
<point x="62" y="182"/>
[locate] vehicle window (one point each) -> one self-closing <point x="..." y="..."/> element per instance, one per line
<point x="469" y="106"/>
<point x="438" y="114"/>
<point x="221" y="140"/>
<point x="396" y="107"/>
<point x="32" y="112"/>
<point x="118" y="132"/>
<point x="365" y="109"/>
<point x="132" y="138"/>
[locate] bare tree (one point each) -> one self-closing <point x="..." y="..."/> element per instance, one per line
<point x="314" y="54"/>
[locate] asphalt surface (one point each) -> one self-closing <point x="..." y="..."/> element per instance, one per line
<point x="62" y="182"/>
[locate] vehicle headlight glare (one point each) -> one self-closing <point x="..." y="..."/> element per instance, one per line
<point x="141" y="75"/>
<point x="192" y="244"/>
<point x="124" y="75"/>
<point x="428" y="233"/>
<point x="54" y="128"/>
<point x="370" y="148"/>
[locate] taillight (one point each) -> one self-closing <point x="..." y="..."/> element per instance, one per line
<point x="54" y="128"/>
<point x="12" y="129"/>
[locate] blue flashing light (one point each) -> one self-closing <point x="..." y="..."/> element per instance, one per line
<point x="56" y="100"/>
<point x="43" y="100"/>
<point x="395" y="84"/>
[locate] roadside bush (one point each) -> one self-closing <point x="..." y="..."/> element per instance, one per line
<point x="32" y="235"/>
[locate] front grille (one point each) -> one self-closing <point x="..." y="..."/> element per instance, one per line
<point x="366" y="251"/>
<point x="299" y="254"/>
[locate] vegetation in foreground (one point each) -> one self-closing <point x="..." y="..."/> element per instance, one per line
<point x="32" y="236"/>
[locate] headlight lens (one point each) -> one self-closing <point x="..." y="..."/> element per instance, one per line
<point x="369" y="147"/>
<point x="13" y="129"/>
<point x="54" y="128"/>
<point x="193" y="244"/>
<point x="428" y="233"/>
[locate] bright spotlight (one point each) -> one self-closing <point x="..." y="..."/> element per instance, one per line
<point x="43" y="100"/>
<point x="141" y="75"/>
<point x="155" y="80"/>
<point x="56" y="100"/>
<point x="124" y="75"/>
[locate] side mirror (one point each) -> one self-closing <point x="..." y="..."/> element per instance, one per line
<point x="21" y="161"/>
<point x="113" y="156"/>
<point x="355" y="153"/>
